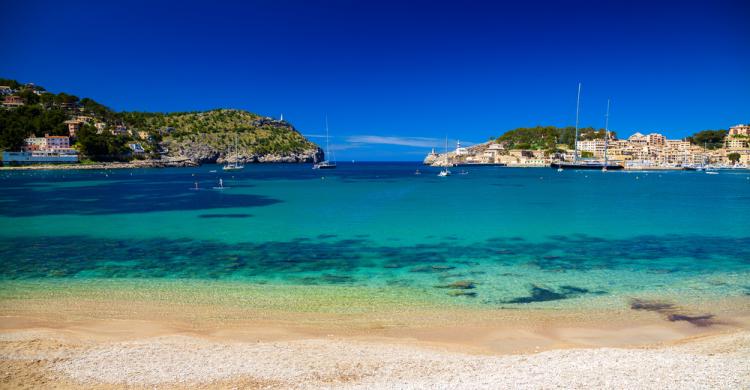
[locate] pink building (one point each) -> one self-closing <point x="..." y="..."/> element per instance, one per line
<point x="56" y="142"/>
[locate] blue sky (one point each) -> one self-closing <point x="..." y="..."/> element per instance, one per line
<point x="395" y="78"/>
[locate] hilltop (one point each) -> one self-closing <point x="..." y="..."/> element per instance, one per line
<point x="102" y="134"/>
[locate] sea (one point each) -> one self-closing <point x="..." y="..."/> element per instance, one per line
<point x="486" y="236"/>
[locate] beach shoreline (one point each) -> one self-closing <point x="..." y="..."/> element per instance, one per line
<point x="75" y="340"/>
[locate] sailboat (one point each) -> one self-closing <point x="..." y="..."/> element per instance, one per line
<point x="585" y="164"/>
<point x="325" y="164"/>
<point x="445" y="172"/>
<point x="606" y="138"/>
<point x="234" y="166"/>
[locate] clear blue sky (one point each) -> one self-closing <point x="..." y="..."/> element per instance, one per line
<point x="390" y="73"/>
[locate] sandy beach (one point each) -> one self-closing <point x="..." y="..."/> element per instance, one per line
<point x="147" y="342"/>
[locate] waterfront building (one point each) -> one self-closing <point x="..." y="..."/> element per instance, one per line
<point x="136" y="148"/>
<point x="656" y="139"/>
<point x="57" y="142"/>
<point x="73" y="126"/>
<point x="638" y="138"/>
<point x="120" y="130"/>
<point x="47" y="143"/>
<point x="735" y="143"/>
<point x="13" y="101"/>
<point x="35" y="143"/>
<point x="40" y="157"/>
<point x="593" y="146"/>
<point x="741" y="130"/>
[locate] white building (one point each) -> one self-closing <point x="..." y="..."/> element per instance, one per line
<point x="461" y="151"/>
<point x="48" y="143"/>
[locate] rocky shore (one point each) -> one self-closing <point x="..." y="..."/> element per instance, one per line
<point x="169" y="162"/>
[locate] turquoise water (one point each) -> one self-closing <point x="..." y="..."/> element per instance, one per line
<point x="520" y="236"/>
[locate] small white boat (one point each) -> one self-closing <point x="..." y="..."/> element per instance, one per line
<point x="445" y="172"/>
<point x="417" y="172"/>
<point x="712" y="173"/>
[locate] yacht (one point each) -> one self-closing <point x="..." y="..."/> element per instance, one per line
<point x="325" y="164"/>
<point x="234" y="166"/>
<point x="587" y="164"/>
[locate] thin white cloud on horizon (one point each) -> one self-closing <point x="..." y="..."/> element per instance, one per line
<point x="417" y="142"/>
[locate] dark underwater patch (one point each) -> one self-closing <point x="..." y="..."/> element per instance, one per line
<point x="224" y="216"/>
<point x="704" y="320"/>
<point x="538" y="294"/>
<point x="672" y="312"/>
<point x="541" y="294"/>
<point x="650" y="305"/>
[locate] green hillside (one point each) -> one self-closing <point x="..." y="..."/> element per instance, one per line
<point x="203" y="136"/>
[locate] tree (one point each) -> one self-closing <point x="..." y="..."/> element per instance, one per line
<point x="28" y="96"/>
<point x="100" y="147"/>
<point x="734" y="157"/>
<point x="13" y="84"/>
<point x="712" y="139"/>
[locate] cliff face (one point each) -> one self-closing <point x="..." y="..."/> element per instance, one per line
<point x="232" y="135"/>
<point x="203" y="153"/>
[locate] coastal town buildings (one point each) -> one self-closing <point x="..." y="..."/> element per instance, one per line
<point x="637" y="151"/>
<point x="13" y="101"/>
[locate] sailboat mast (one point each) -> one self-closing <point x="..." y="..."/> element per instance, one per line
<point x="447" y="160"/>
<point x="578" y="106"/>
<point x="328" y="148"/>
<point x="606" y="134"/>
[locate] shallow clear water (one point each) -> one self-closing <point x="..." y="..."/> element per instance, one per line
<point x="521" y="236"/>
